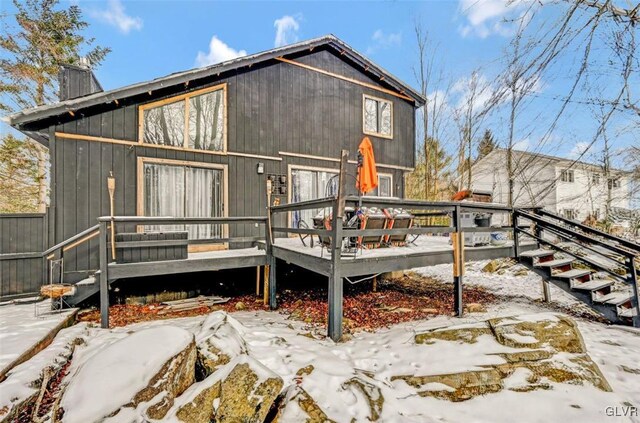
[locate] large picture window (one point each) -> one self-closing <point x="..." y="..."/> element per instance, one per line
<point x="183" y="190"/>
<point x="310" y="184"/>
<point x="377" y="117"/>
<point x="194" y="121"/>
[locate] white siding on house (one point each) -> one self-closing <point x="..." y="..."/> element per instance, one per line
<point x="540" y="183"/>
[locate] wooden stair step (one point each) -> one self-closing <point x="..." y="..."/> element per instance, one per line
<point x="555" y="263"/>
<point x="593" y="285"/>
<point x="615" y="298"/>
<point x="536" y="253"/>
<point x="627" y="312"/>
<point x="573" y="273"/>
<point x="619" y="297"/>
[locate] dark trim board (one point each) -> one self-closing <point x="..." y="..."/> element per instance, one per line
<point x="211" y="262"/>
<point x="382" y="264"/>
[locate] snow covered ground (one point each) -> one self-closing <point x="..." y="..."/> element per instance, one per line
<point x="285" y="346"/>
<point x="21" y="328"/>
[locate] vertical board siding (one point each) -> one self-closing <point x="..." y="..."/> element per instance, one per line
<point x="271" y="107"/>
<point x="21" y="234"/>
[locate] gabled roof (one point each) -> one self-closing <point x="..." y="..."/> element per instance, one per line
<point x="561" y="161"/>
<point x="33" y="115"/>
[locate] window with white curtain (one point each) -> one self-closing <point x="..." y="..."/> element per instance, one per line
<point x="310" y="185"/>
<point x="193" y="121"/>
<point x="377" y="117"/>
<point x="184" y="191"/>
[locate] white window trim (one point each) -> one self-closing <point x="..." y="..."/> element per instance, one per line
<point x="390" y="176"/>
<point x="291" y="167"/>
<point x="185" y="97"/>
<point x="567" y="172"/>
<point x="376" y="134"/>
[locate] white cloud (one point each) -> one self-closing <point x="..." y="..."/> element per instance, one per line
<point x="219" y="51"/>
<point x="384" y="41"/>
<point x="475" y="90"/>
<point x="487" y="17"/>
<point x="578" y="150"/>
<point x="286" y="30"/>
<point x="115" y="15"/>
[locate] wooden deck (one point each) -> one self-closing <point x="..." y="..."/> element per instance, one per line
<point x="425" y="251"/>
<point x="196" y="262"/>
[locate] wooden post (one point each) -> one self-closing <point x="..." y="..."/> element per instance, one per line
<point x="104" y="277"/>
<point x="335" y="277"/>
<point x="258" y="281"/>
<point x="458" y="263"/>
<point x="270" y="287"/>
<point x="265" y="288"/>
<point x="635" y="299"/>
<point x="111" y="187"/>
<point x="375" y="284"/>
<point x="516" y="244"/>
<point x="546" y="291"/>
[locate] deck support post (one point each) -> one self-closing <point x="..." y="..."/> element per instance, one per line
<point x="334" y="320"/>
<point x="104" y="277"/>
<point x="516" y="243"/>
<point x="546" y="290"/>
<point x="458" y="263"/>
<point x="270" y="274"/>
<point x="635" y="299"/>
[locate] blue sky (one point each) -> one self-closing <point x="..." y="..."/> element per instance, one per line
<point x="155" y="38"/>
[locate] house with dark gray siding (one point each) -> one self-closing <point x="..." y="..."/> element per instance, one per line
<point x="203" y="143"/>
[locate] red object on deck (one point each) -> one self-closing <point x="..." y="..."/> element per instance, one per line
<point x="368" y="174"/>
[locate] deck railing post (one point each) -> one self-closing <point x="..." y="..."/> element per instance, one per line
<point x="516" y="244"/>
<point x="334" y="321"/>
<point x="635" y="299"/>
<point x="458" y="262"/>
<point x="104" y="277"/>
<point x="270" y="276"/>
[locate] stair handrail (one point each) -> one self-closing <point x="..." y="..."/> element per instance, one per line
<point x="559" y="228"/>
<point x="625" y="242"/>
<point x="87" y="234"/>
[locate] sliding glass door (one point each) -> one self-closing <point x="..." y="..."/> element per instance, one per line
<point x="184" y="191"/>
<point x="310" y="184"/>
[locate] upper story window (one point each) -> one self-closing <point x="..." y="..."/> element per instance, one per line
<point x="377" y="117"/>
<point x="595" y="179"/>
<point x="195" y="121"/>
<point x="615" y="183"/>
<point x="567" y="175"/>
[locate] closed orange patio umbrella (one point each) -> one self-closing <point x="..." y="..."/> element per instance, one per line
<point x="367" y="173"/>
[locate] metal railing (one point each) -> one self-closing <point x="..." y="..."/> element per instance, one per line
<point x="617" y="257"/>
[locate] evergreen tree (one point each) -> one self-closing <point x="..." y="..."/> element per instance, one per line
<point x="487" y="144"/>
<point x="42" y="36"/>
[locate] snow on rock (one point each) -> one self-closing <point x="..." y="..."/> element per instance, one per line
<point x="23" y="381"/>
<point x="21" y="328"/>
<point x="219" y="341"/>
<point x="241" y="391"/>
<point x="149" y="367"/>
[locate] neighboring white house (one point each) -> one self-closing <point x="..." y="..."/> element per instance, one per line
<point x="575" y="190"/>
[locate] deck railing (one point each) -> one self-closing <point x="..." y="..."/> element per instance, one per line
<point x="108" y="227"/>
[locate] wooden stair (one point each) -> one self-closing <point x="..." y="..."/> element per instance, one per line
<point x="585" y="284"/>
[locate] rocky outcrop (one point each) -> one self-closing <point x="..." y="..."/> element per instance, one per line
<point x="366" y="384"/>
<point x="145" y="370"/>
<point x="527" y="347"/>
<point x="241" y="391"/>
<point x="299" y="406"/>
<point x="219" y="341"/>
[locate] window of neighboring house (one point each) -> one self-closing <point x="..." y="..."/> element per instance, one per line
<point x="614" y="183"/>
<point x="193" y="121"/>
<point x="567" y="175"/>
<point x="385" y="186"/>
<point x="596" y="214"/>
<point x="570" y="214"/>
<point x="183" y="191"/>
<point x="377" y="116"/>
<point x="595" y="179"/>
<point x="311" y="184"/>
